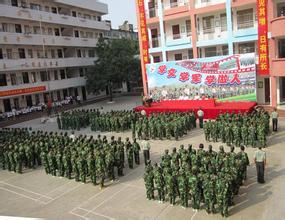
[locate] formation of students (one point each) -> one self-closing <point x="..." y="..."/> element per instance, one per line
<point x="236" y="129"/>
<point x="202" y="177"/>
<point x="79" y="158"/>
<point x="155" y="126"/>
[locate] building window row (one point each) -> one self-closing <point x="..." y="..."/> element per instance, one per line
<point x="56" y="10"/>
<point x="25" y="53"/>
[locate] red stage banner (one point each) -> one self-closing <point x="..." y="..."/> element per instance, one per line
<point x="22" y="91"/>
<point x="143" y="31"/>
<point x="263" y="66"/>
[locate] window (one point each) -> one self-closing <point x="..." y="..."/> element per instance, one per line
<point x="37" y="30"/>
<point x="281" y="48"/>
<point x="245" y="19"/>
<point x="188" y="28"/>
<point x="62" y="74"/>
<point x="59" y="53"/>
<point x="30" y="53"/>
<point x="99" y="18"/>
<point x="173" y="3"/>
<point x="14" y="3"/>
<point x="176" y="31"/>
<point x="50" y="32"/>
<point x="54" y="10"/>
<point x="1" y="54"/>
<point x="83" y="53"/>
<point x="3" y="80"/>
<point x="223" y="18"/>
<point x="74" y="14"/>
<point x="52" y="52"/>
<point x="56" y="32"/>
<point x="18" y="28"/>
<point x="44" y="76"/>
<point x="22" y="54"/>
<point x="76" y="33"/>
<point x="9" y="54"/>
<point x="246" y="48"/>
<point x="55" y="75"/>
<point x="33" y="77"/>
<point x="208" y="25"/>
<point x="78" y="51"/>
<point x="16" y="103"/>
<point x="35" y="6"/>
<point x="27" y="29"/>
<point x="190" y="54"/>
<point x="13" y="79"/>
<point x="156" y="59"/>
<point x="46" y="8"/>
<point x="210" y="51"/>
<point x="81" y="72"/>
<point x="37" y="97"/>
<point x="91" y="53"/>
<point x="178" y="56"/>
<point x="40" y="54"/>
<point x="280" y="9"/>
<point x="58" y="95"/>
<point x="225" y="50"/>
<point x="25" y="76"/>
<point x="4" y="27"/>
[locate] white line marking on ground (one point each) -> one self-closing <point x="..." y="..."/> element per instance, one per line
<point x="72" y="213"/>
<point x="106" y="200"/>
<point x="19" y="194"/>
<point x="129" y="185"/>
<point x="96" y="213"/>
<point x="68" y="191"/>
<point x="192" y="218"/>
<point x="25" y="190"/>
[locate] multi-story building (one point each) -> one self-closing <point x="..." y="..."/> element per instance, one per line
<point x="125" y="30"/>
<point x="185" y="29"/>
<point x="46" y="47"/>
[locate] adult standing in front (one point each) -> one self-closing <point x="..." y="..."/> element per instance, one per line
<point x="260" y="162"/>
<point x="200" y="114"/>
<point x="274" y="116"/>
<point x="146" y="148"/>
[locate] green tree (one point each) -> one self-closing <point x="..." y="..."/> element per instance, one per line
<point x="116" y="62"/>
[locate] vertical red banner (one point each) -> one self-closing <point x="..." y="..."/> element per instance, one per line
<point x="143" y="40"/>
<point x="263" y="64"/>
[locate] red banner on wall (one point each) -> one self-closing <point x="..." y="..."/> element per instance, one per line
<point x="22" y="91"/>
<point x="143" y="31"/>
<point x="263" y="64"/>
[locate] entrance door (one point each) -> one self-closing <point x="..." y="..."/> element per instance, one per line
<point x="7" y="105"/>
<point x="29" y="100"/>
<point x="267" y="90"/>
<point x="176" y="31"/>
<point x="282" y="89"/>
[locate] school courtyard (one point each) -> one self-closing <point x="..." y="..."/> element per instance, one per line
<point x="37" y="195"/>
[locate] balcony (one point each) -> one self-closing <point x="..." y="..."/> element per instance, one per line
<point x="212" y="36"/>
<point x="37" y="39"/>
<point x="50" y="85"/>
<point x="205" y="3"/>
<point x="47" y="17"/>
<point x="155" y="42"/>
<point x="31" y="64"/>
<point x="86" y="4"/>
<point x="179" y="39"/>
<point x="180" y="3"/>
<point x="278" y="29"/>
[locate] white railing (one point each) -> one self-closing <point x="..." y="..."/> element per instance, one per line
<point x="204" y="3"/>
<point x="155" y="42"/>
<point x="245" y="21"/>
<point x="178" y="36"/>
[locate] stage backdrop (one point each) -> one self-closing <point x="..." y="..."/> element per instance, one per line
<point x="226" y="78"/>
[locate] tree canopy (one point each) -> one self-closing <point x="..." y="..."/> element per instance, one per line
<point x="115" y="63"/>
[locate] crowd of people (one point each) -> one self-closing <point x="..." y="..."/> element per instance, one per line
<point x="200" y="92"/>
<point x="236" y="129"/>
<point x="202" y="177"/>
<point x="80" y="158"/>
<point x="156" y="126"/>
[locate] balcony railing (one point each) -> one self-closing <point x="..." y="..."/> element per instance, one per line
<point x="155" y="42"/>
<point x="209" y="30"/>
<point x="178" y="36"/>
<point x="204" y="3"/>
<point x="152" y="12"/>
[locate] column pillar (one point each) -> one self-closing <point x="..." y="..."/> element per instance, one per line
<point x="273" y="88"/>
<point x="193" y="28"/>
<point x="230" y="26"/>
<point x="161" y="29"/>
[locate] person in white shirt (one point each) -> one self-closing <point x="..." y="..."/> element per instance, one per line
<point x="145" y="145"/>
<point x="200" y="114"/>
<point x="72" y="136"/>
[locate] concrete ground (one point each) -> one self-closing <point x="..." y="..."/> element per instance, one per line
<point x="35" y="194"/>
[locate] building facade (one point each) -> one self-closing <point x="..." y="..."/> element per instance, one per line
<point x="185" y="29"/>
<point x="46" y="47"/>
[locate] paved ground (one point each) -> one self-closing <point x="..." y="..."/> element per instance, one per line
<point x="35" y="194"/>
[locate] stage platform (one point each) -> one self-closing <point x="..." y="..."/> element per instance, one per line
<point x="210" y="107"/>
